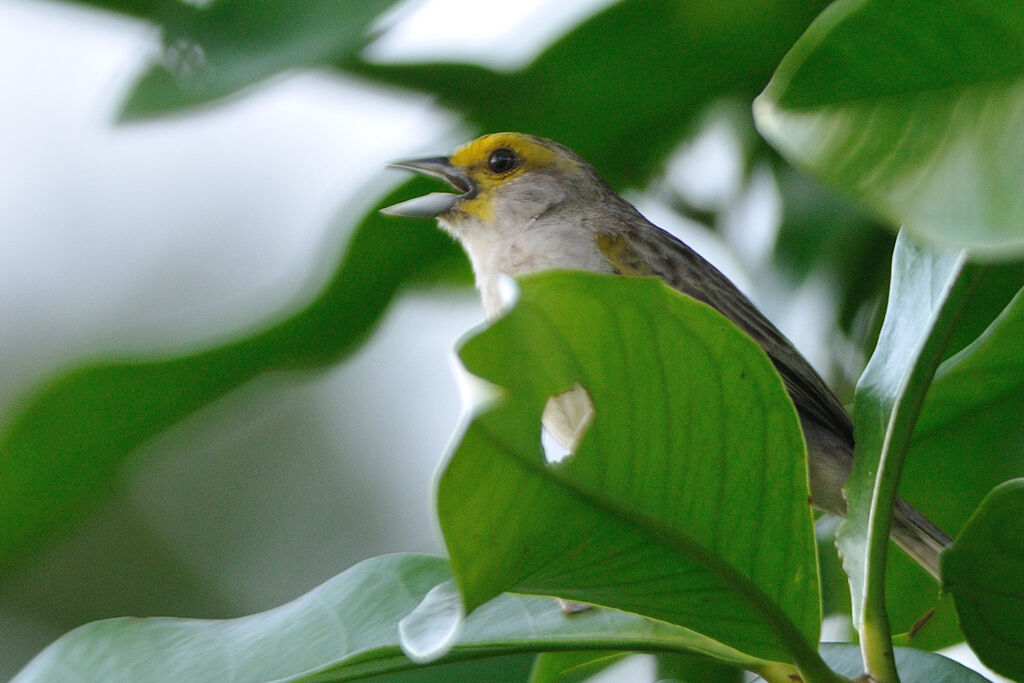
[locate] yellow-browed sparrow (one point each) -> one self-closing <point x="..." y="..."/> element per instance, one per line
<point x="529" y="204"/>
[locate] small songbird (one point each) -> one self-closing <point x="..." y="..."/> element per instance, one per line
<point x="529" y="204"/>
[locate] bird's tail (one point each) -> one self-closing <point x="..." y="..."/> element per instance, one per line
<point x="918" y="536"/>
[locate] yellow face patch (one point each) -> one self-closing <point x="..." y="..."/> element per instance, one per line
<point x="479" y="206"/>
<point x="484" y="160"/>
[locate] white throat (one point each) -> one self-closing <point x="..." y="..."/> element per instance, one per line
<point x="495" y="250"/>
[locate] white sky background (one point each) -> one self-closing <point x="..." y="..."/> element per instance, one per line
<point x="160" y="235"/>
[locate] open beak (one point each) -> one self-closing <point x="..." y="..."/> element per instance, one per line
<point x="435" y="203"/>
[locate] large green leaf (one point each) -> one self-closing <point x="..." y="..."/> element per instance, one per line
<point x="983" y="572"/>
<point x="639" y="72"/>
<point x="345" y="629"/>
<point x="687" y="498"/>
<point x="60" y="450"/>
<point x="915" y="108"/>
<point x="217" y="49"/>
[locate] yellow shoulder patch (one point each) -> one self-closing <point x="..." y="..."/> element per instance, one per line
<point x="622" y="256"/>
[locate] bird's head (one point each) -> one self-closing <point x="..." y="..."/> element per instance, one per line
<point x="504" y="181"/>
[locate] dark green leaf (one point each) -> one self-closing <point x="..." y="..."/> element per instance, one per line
<point x="915" y="110"/>
<point x="983" y="572"/>
<point x="691" y="425"/>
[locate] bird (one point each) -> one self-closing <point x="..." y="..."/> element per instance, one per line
<point x="525" y="204"/>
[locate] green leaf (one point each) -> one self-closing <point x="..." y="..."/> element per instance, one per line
<point x="982" y="570"/>
<point x="978" y="394"/>
<point x="642" y="72"/>
<point x="60" y="451"/>
<point x="924" y="306"/>
<point x="914" y="666"/>
<point x="687" y="498"/>
<point x="914" y="109"/>
<point x="975" y="405"/>
<point x="343" y="630"/>
<point x="215" y="50"/>
<point x="968" y="439"/>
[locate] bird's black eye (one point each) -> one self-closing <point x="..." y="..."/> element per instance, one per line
<point x="502" y="160"/>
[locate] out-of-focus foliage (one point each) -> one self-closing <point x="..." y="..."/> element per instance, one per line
<point x="41" y="454"/>
<point x="872" y="101"/>
<point x="65" y="444"/>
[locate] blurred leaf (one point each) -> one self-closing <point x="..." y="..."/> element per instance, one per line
<point x="220" y="48"/>
<point x="345" y="629"/>
<point x="62" y="449"/>
<point x="982" y="570"/>
<point x="924" y="305"/>
<point x="691" y="424"/>
<point x="914" y="109"/>
<point x="823" y="233"/>
<point x="914" y="666"/>
<point x="639" y="73"/>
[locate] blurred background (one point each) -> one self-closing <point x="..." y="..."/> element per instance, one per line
<point x="138" y="224"/>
